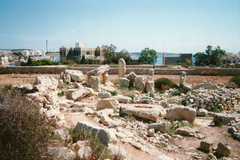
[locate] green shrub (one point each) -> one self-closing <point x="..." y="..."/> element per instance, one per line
<point x="236" y="80"/>
<point x="113" y="93"/>
<point x="182" y="90"/>
<point x="164" y="81"/>
<point x="159" y="91"/>
<point x="24" y="132"/>
<point x="151" y="95"/>
<point x="61" y="94"/>
<point x="176" y="93"/>
<point x="124" y="87"/>
<point x="131" y="96"/>
<point x="130" y="117"/>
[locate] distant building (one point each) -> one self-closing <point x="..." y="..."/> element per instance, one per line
<point x="4" y="60"/>
<point x="183" y="57"/>
<point x="230" y="58"/>
<point x="81" y="49"/>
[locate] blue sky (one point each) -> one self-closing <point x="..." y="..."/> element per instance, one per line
<point x="176" y="26"/>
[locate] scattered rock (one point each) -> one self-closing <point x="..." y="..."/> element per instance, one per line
<point x="76" y="75"/>
<point x="223" y="150"/>
<point x="181" y="113"/>
<point x="103" y="135"/>
<point x="186" y="131"/>
<point x="205" y="146"/>
<point x="110" y="103"/>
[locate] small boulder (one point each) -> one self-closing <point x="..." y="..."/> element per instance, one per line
<point x="85" y="152"/>
<point x="181" y="113"/>
<point x="124" y="81"/>
<point x="103" y="135"/>
<point x="104" y="95"/>
<point x="76" y="75"/>
<point x="131" y="76"/>
<point x="206" y="146"/>
<point x="223" y="150"/>
<point x="110" y="103"/>
<point x="202" y="112"/>
<point x="185" y="131"/>
<point x="140" y="83"/>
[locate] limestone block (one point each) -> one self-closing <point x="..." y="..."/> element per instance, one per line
<point x="223" y="150"/>
<point x="110" y="103"/>
<point x="162" y="127"/>
<point x="122" y="99"/>
<point x="181" y="113"/>
<point x="121" y="68"/>
<point x="102" y="134"/>
<point x="151" y="72"/>
<point x="220" y="118"/>
<point x="99" y="71"/>
<point x="107" y="121"/>
<point x="76" y="75"/>
<point x="85" y="152"/>
<point x="66" y="103"/>
<point x="202" y="112"/>
<point x="206" y="146"/>
<point x="68" y="93"/>
<point x="150" y="87"/>
<point x="140" y="83"/>
<point x="131" y="76"/>
<point x="79" y="94"/>
<point x="117" y="151"/>
<point x="62" y="153"/>
<point x="153" y="114"/>
<point x="124" y="81"/>
<point x="185" y="131"/>
<point x="206" y="85"/>
<point x="104" y="95"/>
<point x="95" y="83"/>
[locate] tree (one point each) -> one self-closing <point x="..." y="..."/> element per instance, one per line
<point x="123" y="54"/>
<point x="209" y="57"/>
<point x="83" y="60"/>
<point x="29" y="62"/>
<point x="148" y="56"/>
<point x="109" y="53"/>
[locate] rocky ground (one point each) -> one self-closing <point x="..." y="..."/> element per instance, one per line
<point x="161" y="128"/>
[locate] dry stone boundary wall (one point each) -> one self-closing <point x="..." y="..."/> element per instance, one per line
<point x="137" y="69"/>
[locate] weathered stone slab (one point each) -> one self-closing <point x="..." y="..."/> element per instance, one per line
<point x="68" y="93"/>
<point x="140" y="83"/>
<point x="131" y="76"/>
<point x="124" y="81"/>
<point x="102" y="134"/>
<point x="153" y="114"/>
<point x="110" y="103"/>
<point x="181" y="113"/>
<point x="222" y="118"/>
<point x="104" y="95"/>
<point x="76" y="75"/>
<point x="122" y="99"/>
<point x="79" y="94"/>
<point x="185" y="131"/>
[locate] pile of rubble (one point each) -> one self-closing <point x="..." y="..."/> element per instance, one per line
<point x="213" y="99"/>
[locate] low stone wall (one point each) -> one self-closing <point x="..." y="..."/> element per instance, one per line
<point x="139" y="70"/>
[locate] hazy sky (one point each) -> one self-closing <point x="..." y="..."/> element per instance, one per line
<point x="177" y="26"/>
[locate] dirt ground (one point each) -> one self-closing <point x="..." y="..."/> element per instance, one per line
<point x="30" y="78"/>
<point x="214" y="134"/>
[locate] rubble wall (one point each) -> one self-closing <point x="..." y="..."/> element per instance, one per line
<point x="139" y="70"/>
